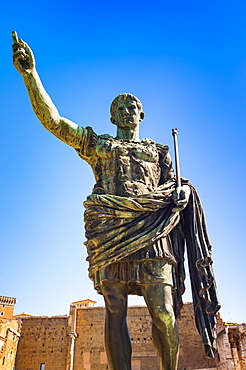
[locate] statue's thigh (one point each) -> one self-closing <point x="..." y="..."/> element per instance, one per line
<point x="115" y="295"/>
<point x="156" y="272"/>
<point x="158" y="298"/>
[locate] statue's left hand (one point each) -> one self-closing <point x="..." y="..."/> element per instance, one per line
<point x="181" y="197"/>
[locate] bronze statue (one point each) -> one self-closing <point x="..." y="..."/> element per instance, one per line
<point x="137" y="223"/>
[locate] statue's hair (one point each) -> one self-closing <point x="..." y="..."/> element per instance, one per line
<point x="122" y="97"/>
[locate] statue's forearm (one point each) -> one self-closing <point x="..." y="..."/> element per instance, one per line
<point x="45" y="110"/>
<point x="42" y="104"/>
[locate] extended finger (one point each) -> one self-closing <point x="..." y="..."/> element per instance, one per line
<point x="15" y="37"/>
<point x="18" y="43"/>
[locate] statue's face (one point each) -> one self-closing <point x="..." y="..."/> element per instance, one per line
<point x="127" y="115"/>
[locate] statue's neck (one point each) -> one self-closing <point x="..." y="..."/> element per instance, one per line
<point x="128" y="134"/>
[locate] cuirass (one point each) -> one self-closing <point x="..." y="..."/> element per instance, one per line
<point x="125" y="167"/>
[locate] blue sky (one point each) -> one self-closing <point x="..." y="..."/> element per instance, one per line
<point x="186" y="61"/>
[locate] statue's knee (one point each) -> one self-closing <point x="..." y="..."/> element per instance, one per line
<point x="163" y="315"/>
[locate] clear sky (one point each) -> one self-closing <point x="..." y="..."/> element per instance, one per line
<point x="186" y="61"/>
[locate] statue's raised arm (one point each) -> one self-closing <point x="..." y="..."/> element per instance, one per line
<point x="44" y="108"/>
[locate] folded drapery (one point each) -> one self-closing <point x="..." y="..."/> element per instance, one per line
<point x="118" y="226"/>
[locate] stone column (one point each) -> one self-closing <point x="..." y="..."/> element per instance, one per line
<point x="243" y="342"/>
<point x="72" y="336"/>
<point x="240" y="347"/>
<point x="234" y="351"/>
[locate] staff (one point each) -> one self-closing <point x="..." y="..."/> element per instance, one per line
<point x="176" y="153"/>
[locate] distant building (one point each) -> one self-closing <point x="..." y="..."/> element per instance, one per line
<point x="9" y="333"/>
<point x="23" y="314"/>
<point x="231" y="343"/>
<point x="76" y="342"/>
<point x="86" y="303"/>
<point x="7" y="306"/>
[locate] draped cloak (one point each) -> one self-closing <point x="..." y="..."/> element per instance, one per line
<point x="118" y="226"/>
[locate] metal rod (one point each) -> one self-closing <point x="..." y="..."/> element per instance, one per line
<point x="176" y="153"/>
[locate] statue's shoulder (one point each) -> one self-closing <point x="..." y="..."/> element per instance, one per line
<point x="159" y="147"/>
<point x="162" y="149"/>
<point x="148" y="141"/>
<point x="89" y="140"/>
<point x="90" y="137"/>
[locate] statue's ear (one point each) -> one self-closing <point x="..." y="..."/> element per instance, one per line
<point x="142" y="115"/>
<point x="112" y="120"/>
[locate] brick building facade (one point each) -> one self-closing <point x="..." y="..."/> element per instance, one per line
<point x="9" y="333"/>
<point x="7" y="305"/>
<point x="76" y="342"/>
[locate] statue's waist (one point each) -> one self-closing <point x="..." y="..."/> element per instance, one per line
<point x="124" y="188"/>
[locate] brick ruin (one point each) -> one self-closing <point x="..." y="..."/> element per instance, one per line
<point x="9" y="334"/>
<point x="76" y="341"/>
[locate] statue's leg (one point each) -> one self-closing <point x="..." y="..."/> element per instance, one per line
<point x="164" y="328"/>
<point x="117" y="338"/>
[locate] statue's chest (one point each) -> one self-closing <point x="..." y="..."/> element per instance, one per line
<point x="109" y="148"/>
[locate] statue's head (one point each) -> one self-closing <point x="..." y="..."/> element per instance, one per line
<point x="126" y="108"/>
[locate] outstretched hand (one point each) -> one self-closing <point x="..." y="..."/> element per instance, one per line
<point x="181" y="197"/>
<point x="23" y="57"/>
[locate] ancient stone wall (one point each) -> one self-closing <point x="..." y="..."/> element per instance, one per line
<point x="44" y="340"/>
<point x="191" y="354"/>
<point x="143" y="356"/>
<point x="76" y="342"/>
<point x="89" y="344"/>
<point x="89" y="351"/>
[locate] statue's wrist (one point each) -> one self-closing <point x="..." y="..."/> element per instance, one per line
<point x="30" y="74"/>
